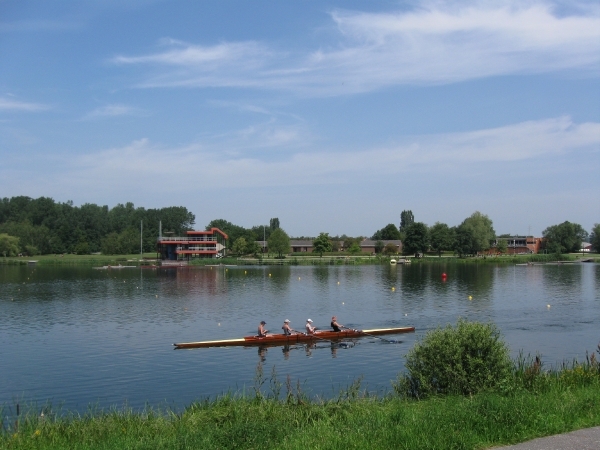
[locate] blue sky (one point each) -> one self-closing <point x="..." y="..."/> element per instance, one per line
<point x="330" y="115"/>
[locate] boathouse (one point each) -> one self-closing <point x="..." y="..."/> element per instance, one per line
<point x="195" y="244"/>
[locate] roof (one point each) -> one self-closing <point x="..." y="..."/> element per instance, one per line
<point x="207" y="232"/>
<point x="371" y="242"/>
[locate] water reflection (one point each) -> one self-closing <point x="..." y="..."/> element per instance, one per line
<point x="112" y="331"/>
<point x="563" y="280"/>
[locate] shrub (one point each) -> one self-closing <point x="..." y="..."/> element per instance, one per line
<point x="464" y="360"/>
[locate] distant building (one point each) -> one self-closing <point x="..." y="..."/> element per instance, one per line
<point x="195" y="244"/>
<point x="516" y="245"/>
<point x="368" y="245"/>
<point x="586" y="247"/>
<point x="306" y="245"/>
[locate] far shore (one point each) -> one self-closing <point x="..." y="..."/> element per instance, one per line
<point x="337" y="258"/>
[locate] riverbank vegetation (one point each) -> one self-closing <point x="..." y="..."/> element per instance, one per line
<point x="492" y="401"/>
<point x="32" y="227"/>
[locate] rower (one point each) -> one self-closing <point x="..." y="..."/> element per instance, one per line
<point x="335" y="325"/>
<point x="261" y="329"/>
<point x="309" y="327"/>
<point x="286" y="327"/>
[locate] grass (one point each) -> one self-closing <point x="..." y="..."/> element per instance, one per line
<point x="70" y="259"/>
<point x="534" y="403"/>
<point x="339" y="258"/>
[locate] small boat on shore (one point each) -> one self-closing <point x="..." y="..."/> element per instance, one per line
<point x="282" y="339"/>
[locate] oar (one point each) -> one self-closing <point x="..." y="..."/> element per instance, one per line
<point x="372" y="335"/>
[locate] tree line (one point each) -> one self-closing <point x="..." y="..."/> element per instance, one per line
<point x="43" y="226"/>
<point x="476" y="234"/>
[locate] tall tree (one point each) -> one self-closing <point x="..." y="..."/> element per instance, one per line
<point x="279" y="242"/>
<point x="274" y="223"/>
<point x="387" y="233"/>
<point x="441" y="238"/>
<point x="463" y="240"/>
<point x="417" y="238"/>
<point x="475" y="234"/>
<point x="595" y="237"/>
<point x="564" y="238"/>
<point x="406" y="219"/>
<point x="322" y="244"/>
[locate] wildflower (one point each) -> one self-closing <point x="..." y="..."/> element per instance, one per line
<point x="37" y="432"/>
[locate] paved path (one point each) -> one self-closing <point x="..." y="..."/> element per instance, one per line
<point x="586" y="439"/>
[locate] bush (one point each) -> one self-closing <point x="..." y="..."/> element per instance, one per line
<point x="463" y="360"/>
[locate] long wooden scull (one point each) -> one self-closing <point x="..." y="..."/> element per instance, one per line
<point x="282" y="339"/>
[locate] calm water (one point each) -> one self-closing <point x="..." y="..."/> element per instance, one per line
<point x="78" y="336"/>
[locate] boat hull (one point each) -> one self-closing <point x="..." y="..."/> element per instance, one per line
<point x="282" y="339"/>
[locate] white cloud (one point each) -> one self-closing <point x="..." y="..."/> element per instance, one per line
<point x="431" y="44"/>
<point x="16" y="105"/>
<point x="113" y="111"/>
<point x="213" y="165"/>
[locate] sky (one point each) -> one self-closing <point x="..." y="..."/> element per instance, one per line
<point x="333" y="116"/>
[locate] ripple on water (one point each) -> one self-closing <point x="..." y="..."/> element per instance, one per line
<point x="78" y="336"/>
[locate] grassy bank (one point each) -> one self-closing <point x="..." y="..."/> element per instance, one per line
<point x="69" y="259"/>
<point x="531" y="404"/>
<point x="306" y="259"/>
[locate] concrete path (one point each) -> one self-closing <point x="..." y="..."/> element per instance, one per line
<point x="586" y="439"/>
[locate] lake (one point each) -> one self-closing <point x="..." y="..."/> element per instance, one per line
<point x="79" y="337"/>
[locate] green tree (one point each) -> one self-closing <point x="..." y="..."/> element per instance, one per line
<point x="82" y="248"/>
<point x="274" y="223"/>
<point x="406" y="219"/>
<point x="31" y="250"/>
<point x="417" y="238"/>
<point x="253" y="248"/>
<point x="110" y="244"/>
<point x="354" y="249"/>
<point x="502" y="246"/>
<point x="350" y="241"/>
<point x="129" y="241"/>
<point x="441" y="238"/>
<point x="322" y="244"/>
<point x="595" y="237"/>
<point x="379" y="245"/>
<point x="279" y="242"/>
<point x="390" y="249"/>
<point x="239" y="246"/>
<point x="9" y="245"/>
<point x="233" y="231"/>
<point x="564" y="238"/>
<point x="475" y="234"/>
<point x="388" y="233"/>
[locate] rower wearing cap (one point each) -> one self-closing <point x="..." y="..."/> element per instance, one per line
<point x="309" y="327"/>
<point x="286" y="327"/>
<point x="335" y="325"/>
<point x="262" y="332"/>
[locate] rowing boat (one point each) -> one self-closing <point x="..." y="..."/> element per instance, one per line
<point x="282" y="339"/>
